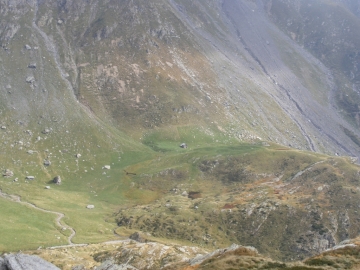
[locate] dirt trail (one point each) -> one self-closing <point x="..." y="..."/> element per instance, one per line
<point x="16" y="198"/>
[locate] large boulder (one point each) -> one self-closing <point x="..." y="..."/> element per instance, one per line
<point x="57" y="180"/>
<point x="26" y="262"/>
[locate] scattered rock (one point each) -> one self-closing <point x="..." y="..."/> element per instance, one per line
<point x="8" y="173"/>
<point x="57" y="180"/>
<point x="32" y="65"/>
<point x="183" y="145"/>
<point x="30" y="152"/>
<point x="26" y="262"/>
<point x="30" y="79"/>
<point x="8" y="86"/>
<point x="107" y="167"/>
<point x="47" y="187"/>
<point x="47" y="162"/>
<point x="28" y="47"/>
<point x="185" y="194"/>
<point x="30" y="177"/>
<point x="3" y="127"/>
<point x="78" y="155"/>
<point x="90" y="206"/>
<point x="46" y="131"/>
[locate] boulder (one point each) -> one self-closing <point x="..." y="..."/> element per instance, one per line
<point x="57" y="180"/>
<point x="32" y="65"/>
<point x="78" y="155"/>
<point x="30" y="177"/>
<point x="47" y="162"/>
<point x="107" y="167"/>
<point x="8" y="173"/>
<point x="27" y="47"/>
<point x="183" y="145"/>
<point x="27" y="262"/>
<point x="90" y="206"/>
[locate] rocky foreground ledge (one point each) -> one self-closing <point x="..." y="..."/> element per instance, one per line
<point x="25" y="262"/>
<point x="133" y="255"/>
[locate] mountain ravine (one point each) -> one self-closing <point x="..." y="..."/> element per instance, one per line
<point x="206" y="123"/>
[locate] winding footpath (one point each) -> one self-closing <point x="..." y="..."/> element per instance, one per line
<point x="17" y="199"/>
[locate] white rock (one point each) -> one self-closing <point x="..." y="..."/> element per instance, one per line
<point x="107" y="167"/>
<point x="90" y="206"/>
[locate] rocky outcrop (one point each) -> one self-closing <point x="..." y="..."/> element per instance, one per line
<point x="111" y="265"/>
<point x="25" y="262"/>
<point x="133" y="255"/>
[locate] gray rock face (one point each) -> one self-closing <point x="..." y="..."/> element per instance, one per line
<point x="26" y="262"/>
<point x="2" y="264"/>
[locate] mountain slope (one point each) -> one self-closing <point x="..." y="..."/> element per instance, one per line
<point x="102" y="93"/>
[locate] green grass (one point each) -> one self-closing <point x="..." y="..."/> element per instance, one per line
<point x="23" y="227"/>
